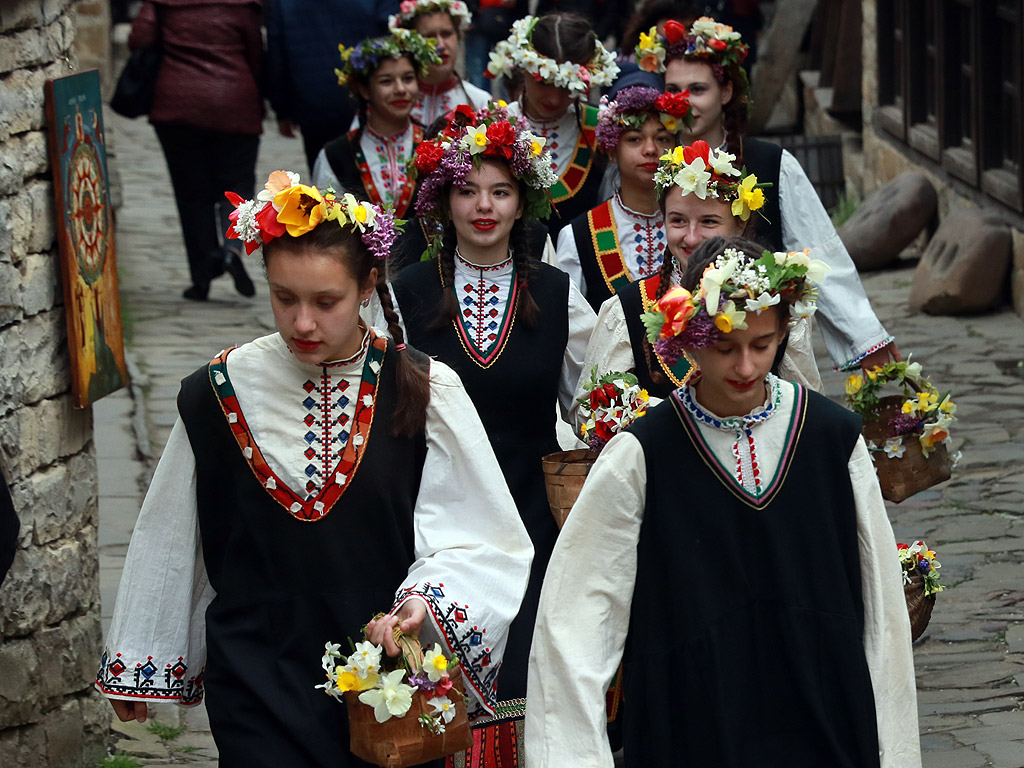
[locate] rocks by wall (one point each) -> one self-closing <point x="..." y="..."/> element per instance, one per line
<point x="49" y="603"/>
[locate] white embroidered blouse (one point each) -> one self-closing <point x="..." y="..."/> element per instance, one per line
<point x="433" y="104"/>
<point x="576" y="652"/>
<point x="468" y="534"/>
<point x="641" y="239"/>
<point x="386" y="159"/>
<point x="561" y="136"/>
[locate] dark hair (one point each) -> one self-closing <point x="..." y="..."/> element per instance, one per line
<point x="526" y="306"/>
<point x="648" y="15"/>
<point x="350" y="251"/>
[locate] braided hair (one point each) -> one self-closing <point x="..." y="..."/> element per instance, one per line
<point x="347" y="247"/>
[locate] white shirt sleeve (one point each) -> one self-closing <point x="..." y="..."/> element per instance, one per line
<point x="323" y="177"/>
<point x="848" y="322"/>
<point x="472" y="551"/>
<point x="160" y="613"/>
<point x="798" y="364"/>
<point x="584" y="613"/>
<point x="567" y="258"/>
<point x="581" y="328"/>
<point x="887" y="644"/>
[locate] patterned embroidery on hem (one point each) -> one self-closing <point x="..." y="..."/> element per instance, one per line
<point x="148" y="679"/>
<point x="855" y="363"/>
<point x="604" y="238"/>
<point x="582" y="160"/>
<point x="463" y="639"/>
<point x="504" y="331"/>
<point x="316" y="507"/>
<point x="677" y="373"/>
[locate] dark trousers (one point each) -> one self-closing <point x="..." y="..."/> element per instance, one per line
<point x="203" y="165"/>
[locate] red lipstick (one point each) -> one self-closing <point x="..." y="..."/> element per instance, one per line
<point x="484" y="225"/>
<point x="305" y="345"/>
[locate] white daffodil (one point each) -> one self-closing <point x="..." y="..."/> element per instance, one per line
<point x="366" y="658"/>
<point x="392" y="699"/>
<point x="762" y="302"/>
<point x="816" y="270"/>
<point x="435" y="664"/>
<point x="721" y="163"/>
<point x="475" y="140"/>
<point x="913" y="371"/>
<point x="712" y="281"/>
<point x="800" y="308"/>
<point x="694" y="177"/>
<point x="443" y="706"/>
<point x="894" y="448"/>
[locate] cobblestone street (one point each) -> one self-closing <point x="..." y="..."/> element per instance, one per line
<point x="970" y="661"/>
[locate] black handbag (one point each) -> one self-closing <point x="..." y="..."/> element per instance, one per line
<point x="133" y="96"/>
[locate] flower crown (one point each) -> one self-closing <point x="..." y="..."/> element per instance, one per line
<point x="706" y="40"/>
<point x="729" y="288"/>
<point x="285" y="205"/>
<point x="365" y="56"/>
<point x="705" y="172"/>
<point x="631" y="108"/>
<point x="517" y="53"/>
<point x="472" y="136"/>
<point x="410" y="9"/>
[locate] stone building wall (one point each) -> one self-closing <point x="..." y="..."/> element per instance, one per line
<point x="884" y="159"/>
<point x="49" y="603"/>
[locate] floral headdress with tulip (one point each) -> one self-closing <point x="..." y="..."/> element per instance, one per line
<point x="706" y="40"/>
<point x="710" y="173"/>
<point x="467" y="140"/>
<point x="365" y="56"/>
<point x="516" y="53"/>
<point x="631" y="108"/>
<point x="286" y="206"/>
<point x="731" y="286"/>
<point x="410" y="9"/>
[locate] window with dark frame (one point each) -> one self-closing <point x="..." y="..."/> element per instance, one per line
<point x="949" y="86"/>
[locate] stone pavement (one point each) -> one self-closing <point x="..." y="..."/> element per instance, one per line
<point x="970" y="662"/>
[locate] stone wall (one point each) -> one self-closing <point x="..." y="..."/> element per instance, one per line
<point x="49" y="603"/>
<point x="884" y="159"/>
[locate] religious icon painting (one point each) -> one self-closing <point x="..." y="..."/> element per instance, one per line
<point x="85" y="226"/>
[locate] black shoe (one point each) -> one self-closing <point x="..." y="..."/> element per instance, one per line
<point x="236" y="269"/>
<point x="197" y="292"/>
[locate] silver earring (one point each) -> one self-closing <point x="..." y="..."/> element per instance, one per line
<point x="366" y="302"/>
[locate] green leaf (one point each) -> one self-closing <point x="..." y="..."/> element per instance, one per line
<point x="653" y="321"/>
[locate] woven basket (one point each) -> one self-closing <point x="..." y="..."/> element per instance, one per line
<point x="912" y="473"/>
<point x="918" y="605"/>
<point x="402" y="741"/>
<point x="564" y="474"/>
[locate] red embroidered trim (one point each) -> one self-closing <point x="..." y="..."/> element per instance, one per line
<point x="408" y="186"/>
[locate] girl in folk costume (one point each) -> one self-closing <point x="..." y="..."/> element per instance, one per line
<point x="305" y="486"/>
<point x="623" y="238"/>
<point x="513" y="328"/>
<point x="552" y="63"/>
<point x="706" y="60"/>
<point x="702" y="195"/>
<point x="790" y="643"/>
<point x="441" y="88"/>
<point x="370" y="161"/>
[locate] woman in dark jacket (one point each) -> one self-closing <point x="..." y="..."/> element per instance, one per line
<point x="208" y="115"/>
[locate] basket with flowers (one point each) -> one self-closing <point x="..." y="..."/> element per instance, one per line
<point x="920" y="583"/>
<point x="911" y="429"/>
<point x="613" y="402"/>
<point x="411" y="714"/>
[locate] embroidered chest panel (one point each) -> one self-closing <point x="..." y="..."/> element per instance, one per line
<point x="391" y="184"/>
<point x="335" y="416"/>
<point x="487" y="308"/>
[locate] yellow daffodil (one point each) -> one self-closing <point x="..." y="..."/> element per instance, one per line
<point x="676" y="156"/>
<point x="854" y="383"/>
<point x="873" y="372"/>
<point x="475" y="139"/>
<point x="434" y="663"/>
<point x="747" y="198"/>
<point x="947" y="406"/>
<point x="502" y="103"/>
<point x="670" y="123"/>
<point x="910" y="406"/>
<point x="647" y="40"/>
<point x="299" y="208"/>
<point x="348" y="680"/>
<point x="731" y="318"/>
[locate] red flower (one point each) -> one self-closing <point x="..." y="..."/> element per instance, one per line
<point x="598" y="398"/>
<point x="674" y="31"/>
<point x="675" y="104"/>
<point x="697" y="149"/>
<point x="603" y="431"/>
<point x="270" y="227"/>
<point x="500" y="138"/>
<point x="718" y="45"/>
<point x="609" y="389"/>
<point x="443" y="686"/>
<point x="428" y="156"/>
<point x="465" y="111"/>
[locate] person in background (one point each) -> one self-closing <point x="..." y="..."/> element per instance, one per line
<point x="707" y="60"/>
<point x="208" y="115"/>
<point x="441" y="88"/>
<point x="302" y="52"/>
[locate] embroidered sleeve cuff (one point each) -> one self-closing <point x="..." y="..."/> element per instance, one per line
<point x="855" y="362"/>
<point x="464" y="639"/>
<point x="149" y="678"/>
